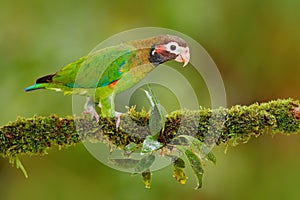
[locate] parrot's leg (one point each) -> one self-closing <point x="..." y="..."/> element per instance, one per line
<point x="107" y="106"/>
<point x="89" y="108"/>
<point x="118" y="118"/>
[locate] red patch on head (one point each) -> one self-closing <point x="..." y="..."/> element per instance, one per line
<point x="160" y="49"/>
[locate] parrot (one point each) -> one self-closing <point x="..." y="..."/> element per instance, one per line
<point x="104" y="73"/>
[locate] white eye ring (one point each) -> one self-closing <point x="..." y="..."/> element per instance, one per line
<point x="172" y="47"/>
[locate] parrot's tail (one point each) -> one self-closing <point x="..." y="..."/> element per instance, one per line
<point x="36" y="86"/>
<point x="40" y="83"/>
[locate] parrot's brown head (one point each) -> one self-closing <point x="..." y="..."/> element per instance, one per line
<point x="169" y="47"/>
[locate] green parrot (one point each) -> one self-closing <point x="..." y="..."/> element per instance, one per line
<point x="106" y="72"/>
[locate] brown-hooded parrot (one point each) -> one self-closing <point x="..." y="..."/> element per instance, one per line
<point x="106" y="72"/>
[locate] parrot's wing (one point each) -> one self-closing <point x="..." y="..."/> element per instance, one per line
<point x="98" y="69"/>
<point x="67" y="74"/>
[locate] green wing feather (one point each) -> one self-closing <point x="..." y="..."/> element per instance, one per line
<point x="103" y="68"/>
<point x="98" y="69"/>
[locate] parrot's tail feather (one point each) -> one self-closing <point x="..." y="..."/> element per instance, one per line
<point x="45" y="79"/>
<point x="35" y="87"/>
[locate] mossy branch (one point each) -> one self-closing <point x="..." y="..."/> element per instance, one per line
<point x="34" y="136"/>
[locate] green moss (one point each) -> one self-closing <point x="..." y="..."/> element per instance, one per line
<point x="34" y="136"/>
<point x="283" y="111"/>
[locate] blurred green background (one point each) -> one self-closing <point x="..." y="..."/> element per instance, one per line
<point x="255" y="44"/>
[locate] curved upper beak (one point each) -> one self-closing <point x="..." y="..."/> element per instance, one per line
<point x="184" y="56"/>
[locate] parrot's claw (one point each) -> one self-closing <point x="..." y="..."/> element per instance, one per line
<point x="89" y="109"/>
<point x="118" y="118"/>
<point x="93" y="114"/>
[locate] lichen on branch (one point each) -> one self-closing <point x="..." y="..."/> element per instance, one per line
<point x="34" y="136"/>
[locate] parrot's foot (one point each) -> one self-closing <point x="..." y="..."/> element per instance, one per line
<point x="118" y="118"/>
<point x="93" y="113"/>
<point x="89" y="108"/>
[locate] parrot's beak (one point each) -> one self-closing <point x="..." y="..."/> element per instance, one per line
<point x="184" y="56"/>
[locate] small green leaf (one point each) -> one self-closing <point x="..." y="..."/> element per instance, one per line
<point x="124" y="163"/>
<point x="145" y="163"/>
<point x="196" y="165"/>
<point x="194" y="145"/>
<point x="157" y="119"/>
<point x="186" y="140"/>
<point x="150" y="145"/>
<point x="178" y="172"/>
<point x="211" y="157"/>
<point x="157" y="115"/>
<point x="178" y="162"/>
<point x="130" y="148"/>
<point x="179" y="175"/>
<point x="146" y="176"/>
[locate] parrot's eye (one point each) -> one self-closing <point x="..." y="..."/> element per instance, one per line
<point x="173" y="47"/>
